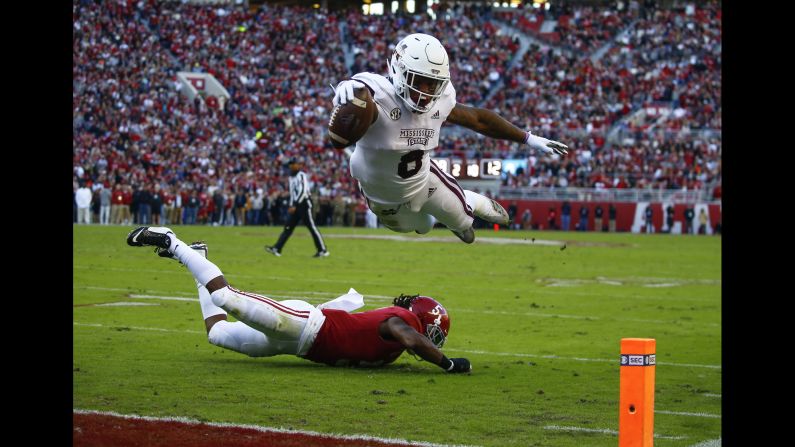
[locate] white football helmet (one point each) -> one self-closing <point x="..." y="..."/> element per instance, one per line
<point x="420" y="71"/>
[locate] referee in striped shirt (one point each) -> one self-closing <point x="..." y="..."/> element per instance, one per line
<point x="300" y="209"/>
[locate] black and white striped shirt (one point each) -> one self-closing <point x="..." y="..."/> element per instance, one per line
<point x="299" y="188"/>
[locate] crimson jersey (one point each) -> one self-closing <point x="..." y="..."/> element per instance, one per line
<point x="353" y="338"/>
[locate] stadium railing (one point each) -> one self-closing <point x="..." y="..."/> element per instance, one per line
<point x="607" y="195"/>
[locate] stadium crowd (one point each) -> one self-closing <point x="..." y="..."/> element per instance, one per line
<point x="146" y="154"/>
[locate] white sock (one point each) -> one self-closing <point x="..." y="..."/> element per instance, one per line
<point x="478" y="202"/>
<point x="203" y="270"/>
<point x="206" y="301"/>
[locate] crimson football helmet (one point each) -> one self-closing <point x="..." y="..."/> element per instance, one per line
<point x="433" y="317"/>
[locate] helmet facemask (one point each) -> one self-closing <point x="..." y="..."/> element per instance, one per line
<point x="420" y="91"/>
<point x="435" y="334"/>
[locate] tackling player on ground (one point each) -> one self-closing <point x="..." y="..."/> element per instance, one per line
<point x="326" y="334"/>
<point x="403" y="185"/>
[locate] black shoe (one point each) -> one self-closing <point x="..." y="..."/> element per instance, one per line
<point x="273" y="250"/>
<point x="321" y="254"/>
<point x="157" y="236"/>
<point x="467" y="235"/>
<point x="199" y="246"/>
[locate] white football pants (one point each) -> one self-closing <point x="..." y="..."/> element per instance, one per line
<point x="443" y="199"/>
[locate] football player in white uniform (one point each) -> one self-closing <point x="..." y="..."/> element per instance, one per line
<point x="403" y="185"/>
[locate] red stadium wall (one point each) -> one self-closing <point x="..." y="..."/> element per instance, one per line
<point x="625" y="213"/>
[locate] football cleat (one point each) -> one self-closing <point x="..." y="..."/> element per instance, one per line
<point x="199" y="246"/>
<point x="157" y="236"/>
<point x="496" y="215"/>
<point x="273" y="250"/>
<point x="321" y="254"/>
<point x="467" y="235"/>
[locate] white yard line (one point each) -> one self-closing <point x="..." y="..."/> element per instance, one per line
<point x="578" y="359"/>
<point x="301" y="295"/>
<point x="139" y="328"/>
<point x="606" y="431"/>
<point x="507" y="354"/>
<point x="685" y="413"/>
<point x="709" y="443"/>
<point x="580" y="317"/>
<point x="263" y="429"/>
<point x="294" y="292"/>
<point x="481" y="239"/>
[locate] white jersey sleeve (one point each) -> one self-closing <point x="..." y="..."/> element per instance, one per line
<point x="392" y="160"/>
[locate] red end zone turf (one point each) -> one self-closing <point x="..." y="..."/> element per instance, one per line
<point x="91" y="429"/>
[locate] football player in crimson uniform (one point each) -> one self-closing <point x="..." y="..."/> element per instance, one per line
<point x="326" y="334"/>
<point x="404" y="187"/>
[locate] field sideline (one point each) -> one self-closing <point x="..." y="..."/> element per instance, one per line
<point x="539" y="314"/>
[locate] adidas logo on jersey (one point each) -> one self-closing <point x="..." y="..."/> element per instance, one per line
<point x="431" y="191"/>
<point x="435" y="116"/>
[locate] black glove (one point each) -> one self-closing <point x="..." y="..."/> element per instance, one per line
<point x="457" y="365"/>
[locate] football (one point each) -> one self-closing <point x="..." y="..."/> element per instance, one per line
<point x="350" y="121"/>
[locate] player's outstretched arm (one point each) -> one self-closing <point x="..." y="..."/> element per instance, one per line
<point x="396" y="329"/>
<point x="492" y="125"/>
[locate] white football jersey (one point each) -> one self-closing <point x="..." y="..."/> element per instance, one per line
<point x="392" y="160"/>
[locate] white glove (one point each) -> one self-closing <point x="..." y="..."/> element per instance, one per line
<point x="344" y="91"/>
<point x="541" y="144"/>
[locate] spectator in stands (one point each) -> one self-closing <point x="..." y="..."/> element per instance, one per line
<point x="689" y="215"/>
<point x="565" y="215"/>
<point x="144" y="205"/>
<point x="105" y="195"/>
<point x="669" y="218"/>
<point x="512" y="212"/>
<point x="218" y="207"/>
<point x="257" y="204"/>
<point x="175" y="218"/>
<point x="134" y="201"/>
<point x="74" y="202"/>
<point x="156" y="204"/>
<point x="703" y="219"/>
<point x="116" y="203"/>
<point x="551" y="219"/>
<point x="240" y="206"/>
<point x="527" y="219"/>
<point x="95" y="190"/>
<point x="339" y="210"/>
<point x="597" y="216"/>
<point x="611" y="214"/>
<point x="192" y="208"/>
<point x="83" y="199"/>
<point x="229" y="207"/>
<point x="583" y="224"/>
<point x="168" y="206"/>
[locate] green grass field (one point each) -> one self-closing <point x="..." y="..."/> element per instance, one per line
<point x="541" y="324"/>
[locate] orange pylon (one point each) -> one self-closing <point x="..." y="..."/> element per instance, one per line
<point x="636" y="398"/>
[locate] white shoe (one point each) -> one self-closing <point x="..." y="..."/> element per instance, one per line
<point x="467" y="235"/>
<point x="157" y="236"/>
<point x="496" y="214"/>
